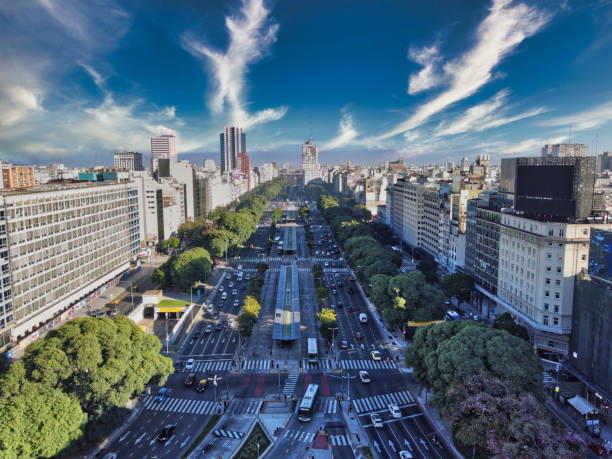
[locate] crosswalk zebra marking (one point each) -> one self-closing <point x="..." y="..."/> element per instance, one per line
<point x="179" y="405"/>
<point x="290" y="383"/>
<point x="297" y="435"/>
<point x="381" y="401"/>
<point x="340" y="440"/>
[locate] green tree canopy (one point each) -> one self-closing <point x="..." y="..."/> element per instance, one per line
<point x="190" y="267"/>
<point x="429" y="268"/>
<point x="174" y="242"/>
<point x="327" y="319"/>
<point x="277" y="214"/>
<point x="248" y="315"/>
<point x="506" y="322"/>
<point x="457" y="285"/>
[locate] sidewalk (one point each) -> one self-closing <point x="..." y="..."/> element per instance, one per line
<point x="358" y="436"/>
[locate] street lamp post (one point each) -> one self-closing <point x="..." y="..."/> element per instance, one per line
<point x="131" y="292"/>
<point x="333" y="349"/>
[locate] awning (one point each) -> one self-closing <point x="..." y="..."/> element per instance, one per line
<point x="170" y="309"/>
<point x="582" y="405"/>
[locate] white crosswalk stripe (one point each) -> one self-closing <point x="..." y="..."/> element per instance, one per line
<point x="340" y="440"/>
<point x="547" y="378"/>
<point x="298" y="435"/>
<point x="381" y="401"/>
<point x="322" y="364"/>
<point x="239" y="406"/>
<point x="179" y="405"/>
<point x="330" y="406"/>
<point x="367" y="365"/>
<point x="290" y="383"/>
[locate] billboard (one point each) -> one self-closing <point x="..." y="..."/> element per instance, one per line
<point x="600" y="254"/>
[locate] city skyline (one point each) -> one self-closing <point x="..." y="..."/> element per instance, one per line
<point x="428" y="84"/>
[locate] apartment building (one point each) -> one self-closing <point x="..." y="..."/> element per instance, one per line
<point x="16" y="177"/>
<point x="433" y="218"/>
<point x="128" y="160"/>
<point x="64" y="242"/>
<point x="407" y="211"/>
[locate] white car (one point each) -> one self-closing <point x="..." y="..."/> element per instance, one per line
<point x="405" y="455"/>
<point x="189" y="364"/>
<point x="395" y="411"/>
<point x="220" y="288"/>
<point x="376" y="420"/>
<point x="364" y="377"/>
<point x="376" y="355"/>
<point x="326" y="263"/>
<point x="230" y="285"/>
<point x="234" y="292"/>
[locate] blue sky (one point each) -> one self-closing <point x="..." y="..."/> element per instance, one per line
<point x="426" y="81"/>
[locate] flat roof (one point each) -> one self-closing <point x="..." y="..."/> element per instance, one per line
<point x="287" y="313"/>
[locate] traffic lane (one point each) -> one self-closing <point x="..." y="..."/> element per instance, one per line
<point x="140" y="440"/>
<point x="198" y="330"/>
<point x="382" y="382"/>
<point x="428" y="436"/>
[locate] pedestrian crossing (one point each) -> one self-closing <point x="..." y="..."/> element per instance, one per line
<point x="548" y="378"/>
<point x="212" y="365"/>
<point x="180" y="405"/>
<point x="324" y="364"/>
<point x="298" y="435"/>
<point x="340" y="440"/>
<point x="223" y="365"/>
<point x="382" y="401"/>
<point x="290" y="383"/>
<point x="330" y="406"/>
<point x="228" y="433"/>
<point x="242" y="406"/>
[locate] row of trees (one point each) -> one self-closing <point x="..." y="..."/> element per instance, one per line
<point x="248" y="315"/>
<point x="321" y="290"/>
<point x="257" y="281"/>
<point x="327" y="322"/>
<point x="72" y="385"/>
<point x="487" y="384"/>
<point x="224" y="233"/>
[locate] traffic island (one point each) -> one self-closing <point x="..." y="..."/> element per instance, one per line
<point x="256" y="443"/>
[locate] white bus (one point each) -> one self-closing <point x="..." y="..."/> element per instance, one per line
<point x="313" y="356"/>
<point x="307" y="406"/>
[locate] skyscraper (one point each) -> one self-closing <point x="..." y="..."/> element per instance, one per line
<point x="310" y="162"/>
<point x="232" y="141"/>
<point x="163" y="146"/>
<point x="128" y="160"/>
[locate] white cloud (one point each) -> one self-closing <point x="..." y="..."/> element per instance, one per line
<point x="429" y="76"/>
<point x="16" y="103"/>
<point x="585" y="119"/>
<point x="346" y="133"/>
<point x="498" y="35"/>
<point x="251" y="34"/>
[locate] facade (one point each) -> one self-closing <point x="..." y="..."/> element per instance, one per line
<point x="7" y="312"/>
<point x="232" y="141"/>
<point x="407" y="211"/>
<point x="310" y="163"/>
<point x="163" y="146"/>
<point x="200" y="186"/>
<point x="16" y="177"/>
<point x="218" y="193"/>
<point x="184" y="172"/>
<point x="63" y="243"/>
<point x="433" y="219"/>
<point x="209" y="165"/>
<point x="565" y="150"/>
<point x="243" y="164"/>
<point x="128" y="160"/>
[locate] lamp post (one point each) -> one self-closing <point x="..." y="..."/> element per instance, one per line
<point x="131" y="292"/>
<point x="333" y="349"/>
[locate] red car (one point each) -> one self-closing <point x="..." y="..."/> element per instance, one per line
<point x="251" y="246"/>
<point x="600" y="449"/>
<point x="358" y="335"/>
<point x="190" y="379"/>
<point x="218" y="262"/>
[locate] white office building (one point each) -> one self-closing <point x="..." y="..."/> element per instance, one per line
<point x="231" y="141"/>
<point x="163" y="146"/>
<point x="128" y="161"/>
<point x="310" y="163"/>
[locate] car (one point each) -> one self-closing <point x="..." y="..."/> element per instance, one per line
<point x="202" y="385"/>
<point x="247" y="276"/>
<point x="363" y="318"/>
<point x="230" y="285"/>
<point x="161" y="394"/>
<point x="334" y="291"/>
<point x="219" y="326"/>
<point x="220" y="288"/>
<point x="230" y="323"/>
<point x="336" y="275"/>
<point x="224" y="296"/>
<point x="208" y="330"/>
<point x="376" y="420"/>
<point x="326" y="264"/>
<point x="239" y="267"/>
<point x="220" y="304"/>
<point x="405" y="454"/>
<point x="364" y="376"/>
<point x="234" y="292"/>
<point x="189" y="364"/>
<point x="395" y="411"/>
<point x="251" y="246"/>
<point x="215" y="315"/>
<point x="166" y="433"/>
<point x="340" y="304"/>
<point x="189" y="379"/>
<point x="236" y="303"/>
<point x="195" y="336"/>
<point x="344" y="344"/>
<point x="332" y="286"/>
<point x="352" y="279"/>
<point x="375" y="355"/>
<point x="358" y="335"/>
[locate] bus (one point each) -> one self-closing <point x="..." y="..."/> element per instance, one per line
<point x="307" y="406"/>
<point x="312" y="350"/>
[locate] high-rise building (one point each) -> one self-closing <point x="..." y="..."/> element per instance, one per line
<point x="564" y="150"/>
<point x="128" y="160"/>
<point x="232" y="141"/>
<point x="243" y="164"/>
<point x="310" y="163"/>
<point x="63" y="243"/>
<point x="163" y="146"/>
<point x="15" y="177"/>
<point x="209" y="165"/>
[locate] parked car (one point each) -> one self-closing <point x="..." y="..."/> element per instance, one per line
<point x="195" y="336"/>
<point x="405" y="454"/>
<point x="344" y="344"/>
<point x="358" y="335"/>
<point x="208" y="329"/>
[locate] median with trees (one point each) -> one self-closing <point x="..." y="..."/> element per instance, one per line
<point x="327" y="322"/>
<point x="248" y="315"/>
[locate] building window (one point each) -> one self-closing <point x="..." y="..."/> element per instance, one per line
<point x="557" y="295"/>
<point x="558" y="269"/>
<point x="556" y="308"/>
<point x="546" y="306"/>
<point x="548" y="269"/>
<point x="558" y="282"/>
<point x="545" y="320"/>
<point x="583" y="257"/>
<point x="547" y="293"/>
<point x="561" y="232"/>
<point x="550" y="232"/>
<point x="548" y="255"/>
<point x="556" y="321"/>
<point x="585" y="231"/>
<point x="547" y="281"/>
<point x="551" y="344"/>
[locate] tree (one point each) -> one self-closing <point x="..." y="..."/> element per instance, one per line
<point x="190" y="267"/>
<point x="248" y="316"/>
<point x="162" y="245"/>
<point x="262" y="267"/>
<point x="506" y="322"/>
<point x="459" y="286"/>
<point x="304" y="213"/>
<point x="174" y="242"/>
<point x="495" y="418"/>
<point x="39" y="421"/>
<point x="429" y="268"/>
<point x="446" y="353"/>
<point x="277" y="214"/>
<point x="327" y="319"/>
<point x="362" y="212"/>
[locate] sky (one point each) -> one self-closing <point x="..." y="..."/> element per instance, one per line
<point x="371" y="81"/>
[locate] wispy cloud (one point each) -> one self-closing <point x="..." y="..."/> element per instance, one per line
<point x="498" y="35"/>
<point x="251" y="34"/>
<point x="486" y="115"/>
<point x="429" y="76"/>
<point x="346" y="133"/>
<point x="583" y="120"/>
